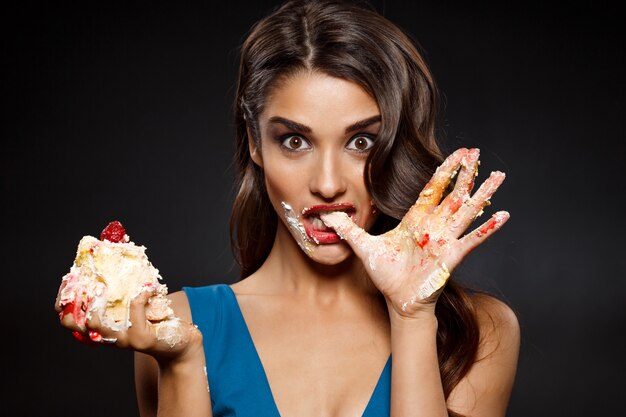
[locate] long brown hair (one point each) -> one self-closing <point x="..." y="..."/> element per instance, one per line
<point x="353" y="42"/>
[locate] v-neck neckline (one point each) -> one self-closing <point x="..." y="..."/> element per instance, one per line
<point x="259" y="363"/>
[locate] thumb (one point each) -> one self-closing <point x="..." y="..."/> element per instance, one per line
<point x="137" y="313"/>
<point x="359" y="240"/>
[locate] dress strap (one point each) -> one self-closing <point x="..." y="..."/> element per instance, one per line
<point x="237" y="380"/>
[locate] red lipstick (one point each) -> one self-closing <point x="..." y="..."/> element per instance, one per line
<point x="315" y="228"/>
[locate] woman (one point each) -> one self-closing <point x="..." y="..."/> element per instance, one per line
<point x="346" y="233"/>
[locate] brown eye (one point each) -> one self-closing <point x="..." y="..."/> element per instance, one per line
<point x="295" y="143"/>
<point x="361" y="143"/>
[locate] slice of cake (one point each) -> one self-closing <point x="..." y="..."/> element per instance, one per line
<point x="107" y="273"/>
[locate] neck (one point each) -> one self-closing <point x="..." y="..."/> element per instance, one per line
<point x="288" y="270"/>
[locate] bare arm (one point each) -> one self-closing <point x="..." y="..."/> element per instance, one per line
<point x="416" y="388"/>
<point x="183" y="388"/>
<point x="410" y="265"/>
<point x="484" y="392"/>
<point x="170" y="369"/>
<point x="146" y="384"/>
<point x="174" y="387"/>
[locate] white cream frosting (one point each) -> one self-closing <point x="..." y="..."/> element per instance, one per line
<point x="106" y="276"/>
<point x="294" y="223"/>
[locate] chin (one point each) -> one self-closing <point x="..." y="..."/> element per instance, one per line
<point x="330" y="254"/>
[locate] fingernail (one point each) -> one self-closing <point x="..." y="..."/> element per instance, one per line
<point x="95" y="336"/>
<point x="82" y="339"/>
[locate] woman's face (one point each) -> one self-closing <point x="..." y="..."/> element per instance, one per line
<point x="316" y="133"/>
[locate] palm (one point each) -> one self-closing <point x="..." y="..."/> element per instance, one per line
<point x="411" y="263"/>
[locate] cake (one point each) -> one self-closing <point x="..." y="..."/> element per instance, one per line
<point x="106" y="275"/>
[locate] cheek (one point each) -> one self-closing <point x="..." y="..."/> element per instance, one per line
<point x="360" y="195"/>
<point x="283" y="182"/>
<point x="357" y="181"/>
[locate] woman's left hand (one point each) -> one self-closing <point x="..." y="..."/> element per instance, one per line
<point x="411" y="264"/>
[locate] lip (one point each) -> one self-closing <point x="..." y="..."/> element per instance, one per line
<point x="328" y="236"/>
<point x="327" y="207"/>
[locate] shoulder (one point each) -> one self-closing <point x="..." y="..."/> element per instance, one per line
<point x="498" y="325"/>
<point x="485" y="390"/>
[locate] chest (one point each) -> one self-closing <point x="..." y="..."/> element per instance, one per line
<point x="321" y="362"/>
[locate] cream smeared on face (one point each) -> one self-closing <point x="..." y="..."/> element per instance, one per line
<point x="297" y="228"/>
<point x="312" y="127"/>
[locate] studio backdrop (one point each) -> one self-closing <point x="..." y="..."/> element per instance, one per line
<point x="119" y="111"/>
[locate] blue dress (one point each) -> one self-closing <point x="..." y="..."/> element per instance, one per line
<point x="237" y="380"/>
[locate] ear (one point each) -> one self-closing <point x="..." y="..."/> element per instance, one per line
<point x="255" y="152"/>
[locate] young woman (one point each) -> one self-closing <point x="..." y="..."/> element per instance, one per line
<point x="347" y="225"/>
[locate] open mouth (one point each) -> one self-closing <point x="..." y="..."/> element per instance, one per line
<point x="315" y="228"/>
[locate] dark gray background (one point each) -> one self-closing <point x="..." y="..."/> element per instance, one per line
<point x="113" y="111"/>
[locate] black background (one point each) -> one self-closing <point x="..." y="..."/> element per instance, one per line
<point x="119" y="111"/>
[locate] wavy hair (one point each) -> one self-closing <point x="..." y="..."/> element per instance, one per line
<point x="351" y="41"/>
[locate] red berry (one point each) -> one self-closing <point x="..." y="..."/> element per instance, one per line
<point x="114" y="232"/>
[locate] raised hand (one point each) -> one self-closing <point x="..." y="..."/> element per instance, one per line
<point x="411" y="263"/>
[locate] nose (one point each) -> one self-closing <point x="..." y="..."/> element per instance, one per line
<point x="327" y="177"/>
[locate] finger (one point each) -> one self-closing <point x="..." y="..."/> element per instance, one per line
<point x="470" y="241"/>
<point x="73" y="316"/>
<point x="473" y="207"/>
<point x="98" y="332"/>
<point x="463" y="186"/>
<point x="434" y="189"/>
<point x="68" y="322"/>
<point x="84" y="338"/>
<point x="67" y="291"/>
<point x="140" y="334"/>
<point x="68" y="317"/>
<point x="359" y="240"/>
<point x="57" y="302"/>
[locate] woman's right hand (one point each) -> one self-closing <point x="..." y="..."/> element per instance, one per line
<point x="175" y="344"/>
<point x="168" y="340"/>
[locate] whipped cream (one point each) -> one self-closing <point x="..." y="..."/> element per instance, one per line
<point x="105" y="277"/>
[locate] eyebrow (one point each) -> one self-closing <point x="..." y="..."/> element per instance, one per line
<point x="361" y="124"/>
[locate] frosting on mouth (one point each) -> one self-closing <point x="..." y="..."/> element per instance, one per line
<point x="309" y="229"/>
<point x="293" y="221"/>
<point x="314" y="215"/>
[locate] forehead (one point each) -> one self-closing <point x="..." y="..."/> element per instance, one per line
<point x="320" y="101"/>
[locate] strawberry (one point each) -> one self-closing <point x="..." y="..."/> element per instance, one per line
<point x="114" y="232"/>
